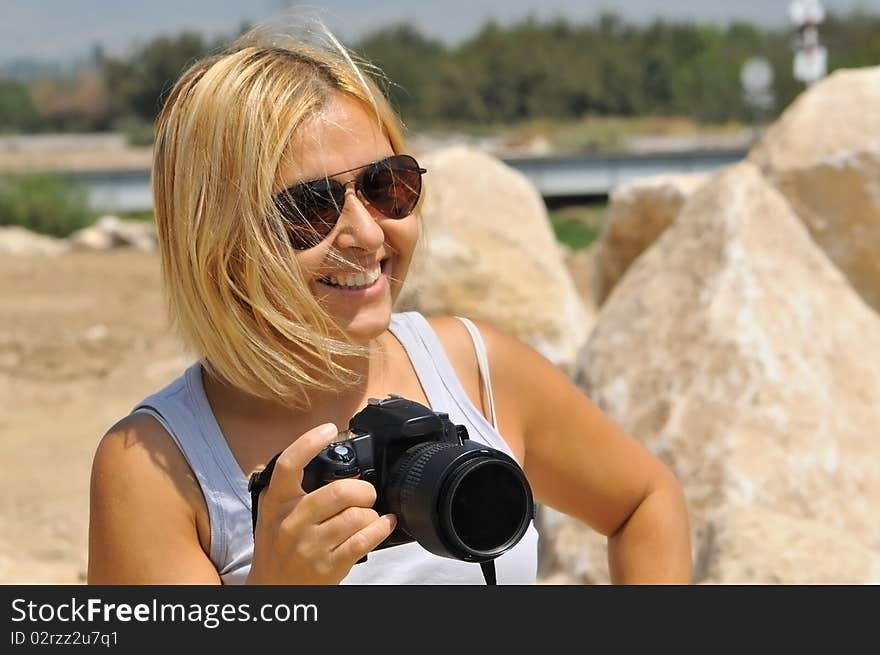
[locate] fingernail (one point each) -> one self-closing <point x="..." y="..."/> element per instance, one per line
<point x="327" y="430"/>
<point x="392" y="518"/>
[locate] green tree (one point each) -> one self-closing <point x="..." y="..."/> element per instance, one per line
<point x="17" y="111"/>
<point x="139" y="83"/>
<point x="410" y="64"/>
<point x="525" y="71"/>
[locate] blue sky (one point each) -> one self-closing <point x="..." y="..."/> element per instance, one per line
<point x="61" y="29"/>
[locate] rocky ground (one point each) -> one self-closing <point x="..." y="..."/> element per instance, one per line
<point x="83" y="337"/>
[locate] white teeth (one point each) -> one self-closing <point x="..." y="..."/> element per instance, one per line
<point x="355" y="280"/>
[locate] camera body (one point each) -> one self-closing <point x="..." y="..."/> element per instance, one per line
<point x="456" y="497"/>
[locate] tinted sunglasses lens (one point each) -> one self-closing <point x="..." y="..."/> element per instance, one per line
<point x="393" y="185"/>
<point x="311" y="210"/>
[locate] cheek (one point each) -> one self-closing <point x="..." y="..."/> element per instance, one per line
<point x="310" y="262"/>
<point x="403" y="236"/>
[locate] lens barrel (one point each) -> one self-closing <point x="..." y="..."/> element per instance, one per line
<point x="464" y="501"/>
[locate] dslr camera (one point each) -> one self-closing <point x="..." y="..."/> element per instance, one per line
<point x="455" y="497"/>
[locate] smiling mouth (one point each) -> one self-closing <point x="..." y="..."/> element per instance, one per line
<point x="356" y="280"/>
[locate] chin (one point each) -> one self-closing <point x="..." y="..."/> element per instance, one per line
<point x="365" y="326"/>
<point x="362" y="322"/>
<point x="363" y="313"/>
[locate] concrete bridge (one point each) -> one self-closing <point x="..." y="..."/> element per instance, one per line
<point x="577" y="176"/>
<point x="118" y="178"/>
<point x="557" y="178"/>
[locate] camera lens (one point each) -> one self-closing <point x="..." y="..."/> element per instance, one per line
<point x="468" y="502"/>
<point x="486" y="506"/>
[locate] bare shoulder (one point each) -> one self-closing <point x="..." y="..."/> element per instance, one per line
<point x="137" y="447"/>
<point x="145" y="503"/>
<point x="459" y="346"/>
<point x="509" y="358"/>
<point x="516" y="367"/>
<point x="456" y="342"/>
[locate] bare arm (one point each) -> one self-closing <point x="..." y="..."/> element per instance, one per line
<point x="147" y="520"/>
<point x="581" y="463"/>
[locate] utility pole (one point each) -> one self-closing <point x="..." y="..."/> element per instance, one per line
<point x="810" y="56"/>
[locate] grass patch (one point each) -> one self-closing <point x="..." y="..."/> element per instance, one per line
<point x="143" y="215"/>
<point x="576" y="236"/>
<point x="578" y="226"/>
<point x="45" y="204"/>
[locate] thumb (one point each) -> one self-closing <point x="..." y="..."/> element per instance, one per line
<point x="286" y="479"/>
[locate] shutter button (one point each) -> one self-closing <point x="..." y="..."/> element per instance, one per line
<point x="342" y="453"/>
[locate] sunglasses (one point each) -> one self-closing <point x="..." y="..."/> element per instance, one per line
<point x="311" y="209"/>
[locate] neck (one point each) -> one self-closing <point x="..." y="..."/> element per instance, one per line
<point x="232" y="401"/>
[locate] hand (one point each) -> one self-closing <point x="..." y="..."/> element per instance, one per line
<point x="313" y="538"/>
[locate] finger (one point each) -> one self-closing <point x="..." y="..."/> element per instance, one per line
<point x="286" y="479"/>
<point x="329" y="500"/>
<point x="365" y="539"/>
<point x="337" y="529"/>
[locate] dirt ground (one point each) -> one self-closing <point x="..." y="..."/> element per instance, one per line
<point x="83" y="337"/>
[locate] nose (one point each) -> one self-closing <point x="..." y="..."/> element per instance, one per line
<point x="358" y="227"/>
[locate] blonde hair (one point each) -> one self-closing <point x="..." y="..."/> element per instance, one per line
<point x="234" y="290"/>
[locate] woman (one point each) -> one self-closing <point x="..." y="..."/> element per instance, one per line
<point x="287" y="213"/>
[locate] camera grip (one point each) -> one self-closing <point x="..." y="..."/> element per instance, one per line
<point x="336" y="461"/>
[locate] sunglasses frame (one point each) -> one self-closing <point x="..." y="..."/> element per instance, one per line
<point x="303" y="233"/>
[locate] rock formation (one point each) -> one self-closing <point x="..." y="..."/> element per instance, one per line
<point x="488" y="252"/>
<point x="638" y="213"/>
<point x="823" y="154"/>
<point x="735" y="350"/>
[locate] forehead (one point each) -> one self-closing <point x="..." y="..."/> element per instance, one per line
<point x="342" y="136"/>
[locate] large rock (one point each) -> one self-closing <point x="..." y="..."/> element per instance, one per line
<point x="823" y="154"/>
<point x="582" y="269"/>
<point x="840" y="113"/>
<point x="753" y="545"/>
<point x="737" y="352"/>
<point x="569" y="551"/>
<point x="16" y="240"/>
<point x="638" y="213"/>
<point x="112" y="232"/>
<point x="488" y="252"/>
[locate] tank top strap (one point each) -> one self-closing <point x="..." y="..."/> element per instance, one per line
<point x="483" y="365"/>
<point x="437" y="375"/>
<point x="423" y="348"/>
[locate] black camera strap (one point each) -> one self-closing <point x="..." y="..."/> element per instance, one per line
<point x="258" y="481"/>
<point x="488" y="571"/>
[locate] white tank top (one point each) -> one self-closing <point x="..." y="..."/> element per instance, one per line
<point x="184" y="411"/>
